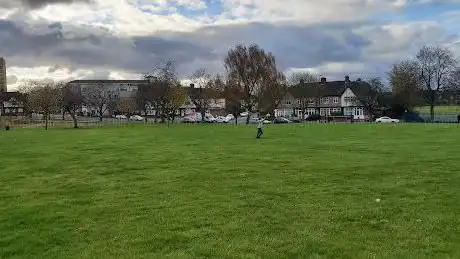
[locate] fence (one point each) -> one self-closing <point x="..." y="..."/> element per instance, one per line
<point x="94" y="122"/>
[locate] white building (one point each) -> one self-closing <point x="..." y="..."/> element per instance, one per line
<point x="325" y="98"/>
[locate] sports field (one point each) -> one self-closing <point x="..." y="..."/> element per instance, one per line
<point x="192" y="191"/>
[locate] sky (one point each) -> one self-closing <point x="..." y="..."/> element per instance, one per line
<point x="123" y="39"/>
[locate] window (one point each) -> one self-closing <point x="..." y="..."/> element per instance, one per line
<point x="325" y="100"/>
<point x="288" y="102"/>
<point x="311" y="101"/>
<point x="336" y="110"/>
<point x="336" y="99"/>
<point x="298" y="101"/>
<point x="349" y="99"/>
<point x="325" y="112"/>
<point x="347" y="111"/>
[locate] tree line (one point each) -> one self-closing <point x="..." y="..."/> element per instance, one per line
<point x="251" y="82"/>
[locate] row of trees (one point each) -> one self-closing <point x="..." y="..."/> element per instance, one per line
<point x="434" y="71"/>
<point x="252" y="82"/>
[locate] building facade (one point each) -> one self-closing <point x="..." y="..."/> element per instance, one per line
<point x="335" y="98"/>
<point x="13" y="104"/>
<point x="126" y="91"/>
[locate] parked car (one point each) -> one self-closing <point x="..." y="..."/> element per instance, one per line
<point x="121" y="117"/>
<point x="256" y="120"/>
<point x="230" y="117"/>
<point x="223" y="119"/>
<point x="136" y="118"/>
<point x="386" y="120"/>
<point x="244" y="114"/>
<point x="188" y="120"/>
<point x="278" y="120"/>
<point x="295" y="119"/>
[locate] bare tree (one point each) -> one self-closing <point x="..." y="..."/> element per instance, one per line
<point x="157" y="94"/>
<point x="370" y="94"/>
<point x="233" y="99"/>
<point x="72" y="101"/>
<point x="454" y="79"/>
<point x="436" y="64"/>
<point x="145" y="97"/>
<point x="176" y="97"/>
<point x="202" y="91"/>
<point x="404" y="78"/>
<point x="273" y="92"/>
<point x="251" y="68"/>
<point x="304" y="76"/>
<point x="99" y="98"/>
<point x="43" y="96"/>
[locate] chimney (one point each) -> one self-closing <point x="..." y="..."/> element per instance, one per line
<point x="323" y="80"/>
<point x="192" y="85"/>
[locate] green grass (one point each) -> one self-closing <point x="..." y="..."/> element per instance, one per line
<point x="440" y="109"/>
<point x="191" y="191"/>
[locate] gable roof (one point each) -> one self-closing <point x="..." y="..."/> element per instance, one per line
<point x="333" y="88"/>
<point x="6" y="96"/>
<point x="193" y="91"/>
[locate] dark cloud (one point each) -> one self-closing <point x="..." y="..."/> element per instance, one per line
<point x="35" y="4"/>
<point x="66" y="46"/>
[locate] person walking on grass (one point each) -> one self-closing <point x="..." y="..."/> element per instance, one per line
<point x="259" y="128"/>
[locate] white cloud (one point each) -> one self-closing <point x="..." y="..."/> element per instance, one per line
<point x="330" y="37"/>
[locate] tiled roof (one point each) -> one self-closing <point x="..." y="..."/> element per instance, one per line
<point x="333" y="88"/>
<point x="5" y="96"/>
<point x="193" y="91"/>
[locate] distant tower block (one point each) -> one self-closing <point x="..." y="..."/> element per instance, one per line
<point x="2" y="75"/>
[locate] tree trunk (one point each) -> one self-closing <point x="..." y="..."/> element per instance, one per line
<point x="236" y="118"/>
<point x="432" y="112"/>
<point x="248" y="118"/>
<point x="432" y="103"/>
<point x="74" y="118"/>
<point x="145" y="115"/>
<point x="46" y="121"/>
<point x="63" y="115"/>
<point x="203" y="114"/>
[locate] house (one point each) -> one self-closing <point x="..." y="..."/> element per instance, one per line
<point x="12" y="104"/>
<point x="340" y="98"/>
<point x="127" y="91"/>
<point x="216" y="104"/>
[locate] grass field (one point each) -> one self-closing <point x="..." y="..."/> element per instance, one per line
<point x="440" y="109"/>
<point x="191" y="191"/>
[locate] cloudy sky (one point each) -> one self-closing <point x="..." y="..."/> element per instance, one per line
<point x="120" y="39"/>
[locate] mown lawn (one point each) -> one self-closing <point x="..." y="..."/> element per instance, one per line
<point x="440" y="109"/>
<point x="191" y="191"/>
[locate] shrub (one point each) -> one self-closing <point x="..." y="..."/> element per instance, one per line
<point x="313" y="117"/>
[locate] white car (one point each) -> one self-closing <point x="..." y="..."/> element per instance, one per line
<point x="386" y="120"/>
<point x="221" y="119"/>
<point x="244" y="114"/>
<point x="136" y="118"/>
<point x="121" y="117"/>
<point x="230" y="117"/>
